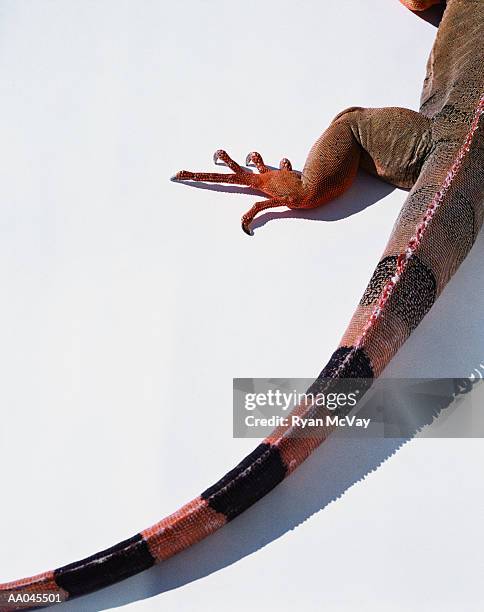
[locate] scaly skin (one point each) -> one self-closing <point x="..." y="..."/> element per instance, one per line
<point x="438" y="152"/>
<point x="371" y="138"/>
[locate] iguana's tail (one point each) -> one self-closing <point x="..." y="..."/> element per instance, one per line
<point x="434" y="232"/>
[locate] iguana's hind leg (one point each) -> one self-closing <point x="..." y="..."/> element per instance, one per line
<point x="391" y="143"/>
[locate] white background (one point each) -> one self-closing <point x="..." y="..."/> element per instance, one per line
<point x="129" y="303"/>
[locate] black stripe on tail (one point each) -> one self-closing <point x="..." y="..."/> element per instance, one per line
<point x="105" y="568"/>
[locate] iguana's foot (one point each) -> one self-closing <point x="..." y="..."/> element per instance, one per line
<point x="283" y="186"/>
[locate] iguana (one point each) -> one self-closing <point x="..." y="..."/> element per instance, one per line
<point x="438" y="154"/>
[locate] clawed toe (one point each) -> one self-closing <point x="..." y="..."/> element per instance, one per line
<point x="223" y="156"/>
<point x="285" y="164"/>
<point x="246" y="228"/>
<point x="257" y="208"/>
<point x="256" y="159"/>
<point x="240" y="176"/>
<point x="183" y="175"/>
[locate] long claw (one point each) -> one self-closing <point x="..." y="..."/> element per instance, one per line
<point x="248" y="159"/>
<point x="183" y="175"/>
<point x="246" y="229"/>
<point x="216" y="156"/>
<point x="222" y="155"/>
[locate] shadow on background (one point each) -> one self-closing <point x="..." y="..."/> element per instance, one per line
<point x="432" y="15"/>
<point x="365" y="191"/>
<point x="343" y="461"/>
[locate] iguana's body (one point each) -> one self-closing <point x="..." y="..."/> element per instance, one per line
<point x="439" y="154"/>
